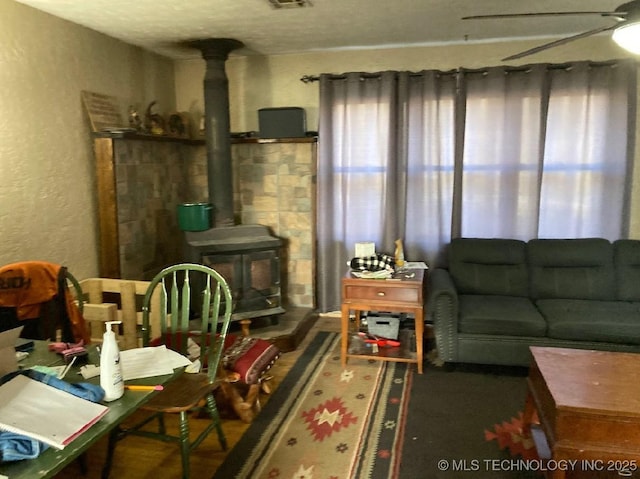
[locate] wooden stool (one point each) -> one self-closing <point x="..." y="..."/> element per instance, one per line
<point x="246" y="361"/>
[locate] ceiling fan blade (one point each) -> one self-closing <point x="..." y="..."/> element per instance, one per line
<point x="542" y="14"/>
<point x="556" y="43"/>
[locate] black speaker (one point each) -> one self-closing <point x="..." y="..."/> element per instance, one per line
<point x="285" y="122"/>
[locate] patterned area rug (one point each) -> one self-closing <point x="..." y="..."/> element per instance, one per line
<point x="509" y="436"/>
<point x="327" y="422"/>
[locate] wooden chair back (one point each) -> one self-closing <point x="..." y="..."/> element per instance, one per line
<point x="116" y="300"/>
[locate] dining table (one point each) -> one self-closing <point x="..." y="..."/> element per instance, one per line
<point x="51" y="461"/>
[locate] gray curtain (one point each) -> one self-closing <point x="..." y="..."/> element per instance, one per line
<point x="535" y="151"/>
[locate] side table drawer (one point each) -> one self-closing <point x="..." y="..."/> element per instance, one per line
<point x="381" y="293"/>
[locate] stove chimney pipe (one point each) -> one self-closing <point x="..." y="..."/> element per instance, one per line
<point x="215" y="51"/>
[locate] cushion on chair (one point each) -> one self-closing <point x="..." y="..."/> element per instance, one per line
<point x="249" y="357"/>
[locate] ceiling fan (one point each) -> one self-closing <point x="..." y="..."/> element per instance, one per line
<point x="626" y="32"/>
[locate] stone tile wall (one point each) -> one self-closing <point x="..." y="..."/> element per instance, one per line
<point x="274" y="185"/>
<point x="150" y="182"/>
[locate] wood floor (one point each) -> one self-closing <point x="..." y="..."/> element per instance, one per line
<point x="142" y="458"/>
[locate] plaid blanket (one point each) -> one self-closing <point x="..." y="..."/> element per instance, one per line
<point x="377" y="262"/>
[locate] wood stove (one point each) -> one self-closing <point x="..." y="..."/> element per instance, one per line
<point x="248" y="257"/>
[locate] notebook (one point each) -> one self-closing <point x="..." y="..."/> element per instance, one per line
<point x="45" y="413"/>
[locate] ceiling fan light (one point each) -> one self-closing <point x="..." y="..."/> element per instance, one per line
<point x="628" y="36"/>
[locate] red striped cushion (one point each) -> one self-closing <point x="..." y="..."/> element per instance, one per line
<point x="250" y="357"/>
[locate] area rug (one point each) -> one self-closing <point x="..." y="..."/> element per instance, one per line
<point x="449" y="414"/>
<point x="327" y="422"/>
<point x="509" y="437"/>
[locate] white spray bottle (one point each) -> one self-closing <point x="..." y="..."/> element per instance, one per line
<point x="110" y="368"/>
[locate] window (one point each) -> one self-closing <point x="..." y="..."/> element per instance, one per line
<point x="539" y="151"/>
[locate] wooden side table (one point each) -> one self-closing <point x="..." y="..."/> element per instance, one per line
<point x="404" y="293"/>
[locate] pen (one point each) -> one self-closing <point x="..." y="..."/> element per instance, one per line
<point x="135" y="387"/>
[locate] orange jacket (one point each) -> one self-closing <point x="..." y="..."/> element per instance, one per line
<point x="28" y="284"/>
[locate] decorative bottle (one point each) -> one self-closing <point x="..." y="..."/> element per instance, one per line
<point x="399" y="254"/>
<point x="110" y="368"/>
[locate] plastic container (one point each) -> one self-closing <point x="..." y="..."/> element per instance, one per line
<point x="194" y="216"/>
<point x="384" y="326"/>
<point x="110" y="368"/>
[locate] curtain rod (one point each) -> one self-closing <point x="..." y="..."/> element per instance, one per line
<point x="560" y="66"/>
<point x="342" y="76"/>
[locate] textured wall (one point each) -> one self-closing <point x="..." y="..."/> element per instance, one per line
<point x="47" y="192"/>
<point x="151" y="180"/>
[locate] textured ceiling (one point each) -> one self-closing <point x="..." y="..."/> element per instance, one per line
<point x="162" y="26"/>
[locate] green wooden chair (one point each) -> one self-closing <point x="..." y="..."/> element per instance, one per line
<point x="175" y="290"/>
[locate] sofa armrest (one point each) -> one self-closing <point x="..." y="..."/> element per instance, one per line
<point x="442" y="309"/>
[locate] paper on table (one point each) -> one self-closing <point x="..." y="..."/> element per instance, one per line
<point x="45" y="413"/>
<point x="382" y="274"/>
<point x="147" y="362"/>
<point x="415" y="265"/>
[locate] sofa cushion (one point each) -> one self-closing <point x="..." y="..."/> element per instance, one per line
<point x="626" y="257"/>
<point x="500" y="315"/>
<point x="601" y="321"/>
<point x="489" y="266"/>
<point x="571" y="268"/>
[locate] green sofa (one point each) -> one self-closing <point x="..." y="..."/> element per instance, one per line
<point x="500" y="296"/>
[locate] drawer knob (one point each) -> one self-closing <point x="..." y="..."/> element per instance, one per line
<point x="380" y="293"/>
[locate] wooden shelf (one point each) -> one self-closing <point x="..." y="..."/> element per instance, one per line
<point x="307" y="139"/>
<point x="127" y="135"/>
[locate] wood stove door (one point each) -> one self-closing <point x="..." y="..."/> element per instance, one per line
<point x="261" y="281"/>
<point x="230" y="267"/>
<point x="253" y="276"/>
